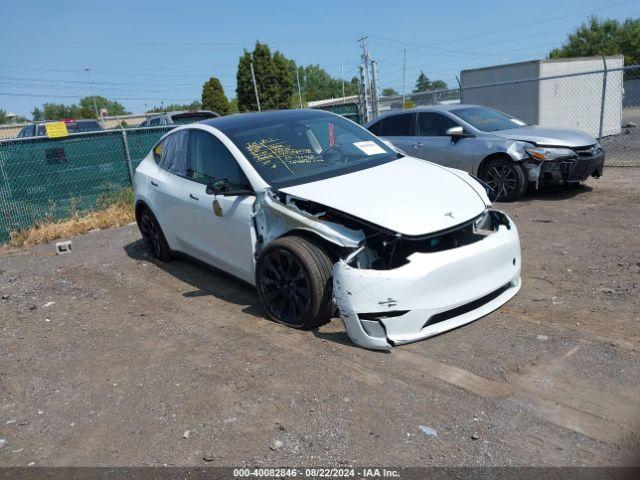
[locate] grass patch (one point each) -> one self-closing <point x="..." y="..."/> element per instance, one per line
<point x="115" y="210"/>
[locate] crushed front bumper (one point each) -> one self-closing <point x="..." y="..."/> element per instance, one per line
<point x="571" y="170"/>
<point x="433" y="293"/>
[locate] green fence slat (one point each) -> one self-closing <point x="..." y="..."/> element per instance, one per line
<point x="52" y="178"/>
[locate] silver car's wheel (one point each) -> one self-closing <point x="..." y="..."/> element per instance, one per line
<point x="507" y="179"/>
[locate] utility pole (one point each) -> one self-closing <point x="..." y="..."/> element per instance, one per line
<point x="404" y="76"/>
<point x="364" y="95"/>
<point x="93" y="97"/>
<point x="255" y="85"/>
<point x="364" y="76"/>
<point x="299" y="91"/>
<point x="375" y="100"/>
<point x="344" y="100"/>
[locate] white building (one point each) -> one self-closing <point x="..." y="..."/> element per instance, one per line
<point x="551" y="93"/>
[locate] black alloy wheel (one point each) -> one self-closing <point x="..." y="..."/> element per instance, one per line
<point x="285" y="287"/>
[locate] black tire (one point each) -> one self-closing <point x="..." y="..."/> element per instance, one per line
<point x="153" y="236"/>
<point x="507" y="178"/>
<point x="294" y="281"/>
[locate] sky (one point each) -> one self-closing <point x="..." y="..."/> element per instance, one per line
<point x="142" y="53"/>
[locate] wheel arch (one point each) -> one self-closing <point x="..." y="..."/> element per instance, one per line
<point x="140" y="206"/>
<point x="333" y="249"/>
<point x="495" y="156"/>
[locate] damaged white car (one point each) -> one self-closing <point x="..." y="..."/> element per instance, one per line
<point x="319" y="214"/>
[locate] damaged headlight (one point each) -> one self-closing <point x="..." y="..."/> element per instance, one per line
<point x="540" y="154"/>
<point x="490" y="221"/>
<point x="484" y="223"/>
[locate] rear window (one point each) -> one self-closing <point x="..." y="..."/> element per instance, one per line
<point x="191" y="117"/>
<point x="78" y="127"/>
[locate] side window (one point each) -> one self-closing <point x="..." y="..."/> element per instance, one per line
<point x="375" y="128"/>
<point x="209" y="160"/>
<point x="157" y="150"/>
<point x="432" y="124"/>
<point x="401" y="125"/>
<point x="173" y="153"/>
<point x="26" y="132"/>
<point x="154" y="122"/>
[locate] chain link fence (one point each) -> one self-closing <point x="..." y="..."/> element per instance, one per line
<point x="604" y="103"/>
<point x="48" y="179"/>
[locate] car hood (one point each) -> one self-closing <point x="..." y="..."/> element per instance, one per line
<point x="408" y="195"/>
<point x="551" y="137"/>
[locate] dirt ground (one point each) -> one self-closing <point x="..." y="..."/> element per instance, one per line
<point x="110" y="358"/>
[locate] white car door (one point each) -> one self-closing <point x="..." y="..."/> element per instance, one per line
<point x="168" y="187"/>
<point x="220" y="225"/>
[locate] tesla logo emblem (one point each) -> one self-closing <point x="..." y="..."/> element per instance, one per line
<point x="450" y="214"/>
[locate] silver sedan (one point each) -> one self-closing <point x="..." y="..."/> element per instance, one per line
<point x="504" y="152"/>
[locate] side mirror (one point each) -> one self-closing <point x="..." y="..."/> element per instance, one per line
<point x="455" y="131"/>
<point x="223" y="188"/>
<point x="216" y="187"/>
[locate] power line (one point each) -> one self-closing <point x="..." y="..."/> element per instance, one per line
<point x="14" y="94"/>
<point x="517" y="27"/>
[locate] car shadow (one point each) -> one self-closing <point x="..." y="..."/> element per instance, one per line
<point x="555" y="193"/>
<point x="340" y="337"/>
<point x="205" y="280"/>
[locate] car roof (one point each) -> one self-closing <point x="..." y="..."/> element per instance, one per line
<point x="230" y="122"/>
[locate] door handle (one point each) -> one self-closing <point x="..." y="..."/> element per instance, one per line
<point x="154" y="183"/>
<point x="193" y="197"/>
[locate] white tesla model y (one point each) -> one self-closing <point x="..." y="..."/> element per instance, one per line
<point x="321" y="215"/>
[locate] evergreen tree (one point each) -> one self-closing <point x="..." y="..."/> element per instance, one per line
<point x="213" y="97"/>
<point x="284" y="80"/>
<point x="423" y="83"/>
<point x="265" y="71"/>
<point x="244" y="85"/>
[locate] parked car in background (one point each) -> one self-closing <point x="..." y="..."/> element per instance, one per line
<point x="38" y="129"/>
<point x="501" y="150"/>
<point x="178" y="118"/>
<point x="318" y="213"/>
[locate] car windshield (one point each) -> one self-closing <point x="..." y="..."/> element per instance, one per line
<point x="487" y="119"/>
<point x="308" y="146"/>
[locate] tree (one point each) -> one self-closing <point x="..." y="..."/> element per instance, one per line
<point x="423" y="83"/>
<point x="317" y="84"/>
<point x="284" y="80"/>
<point x="87" y="109"/>
<point x="265" y="72"/>
<point x="389" y="92"/>
<point x="176" y="107"/>
<point x="3" y="116"/>
<point x="439" y="85"/>
<point x="603" y="37"/>
<point x="244" y="84"/>
<point x="213" y="97"/>
<point x="273" y="75"/>
<point x="233" y="105"/>
<point x="57" y="111"/>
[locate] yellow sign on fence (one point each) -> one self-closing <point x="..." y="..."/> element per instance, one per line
<point x="56" y="129"/>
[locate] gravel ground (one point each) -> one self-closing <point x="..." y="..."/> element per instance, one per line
<point x="110" y="358"/>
